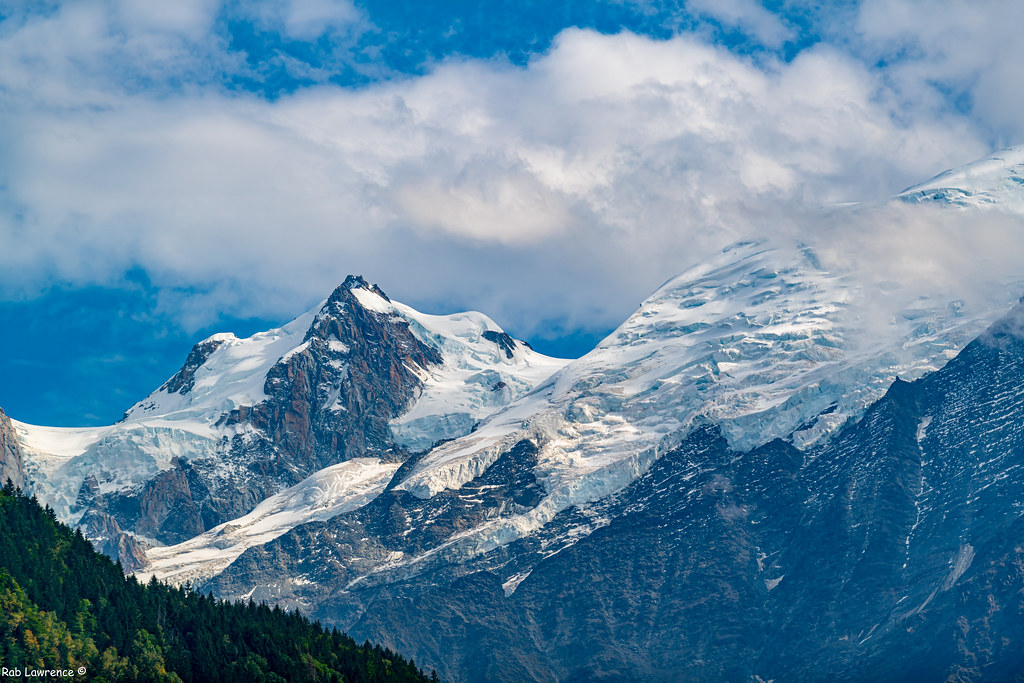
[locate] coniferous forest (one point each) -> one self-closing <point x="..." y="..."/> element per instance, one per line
<point x="64" y="606"/>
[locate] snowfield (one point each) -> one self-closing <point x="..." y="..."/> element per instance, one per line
<point x="761" y="341"/>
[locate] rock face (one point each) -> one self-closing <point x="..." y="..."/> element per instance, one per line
<point x="184" y="380"/>
<point x="892" y="553"/>
<point x="108" y="538"/>
<point x="334" y="396"/>
<point x="10" y="453"/>
<point x="504" y="342"/>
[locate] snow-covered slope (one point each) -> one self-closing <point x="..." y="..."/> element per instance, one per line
<point x="483" y="369"/>
<point x="996" y="181"/>
<point x="232" y="374"/>
<point x="762" y="341"/>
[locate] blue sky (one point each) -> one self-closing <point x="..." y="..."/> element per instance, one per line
<point x="171" y="171"/>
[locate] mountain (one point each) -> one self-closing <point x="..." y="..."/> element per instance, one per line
<point x="540" y="548"/>
<point x="780" y="467"/>
<point x="65" y="607"/>
<point x="757" y="341"/>
<point x="359" y="380"/>
<point x="891" y="553"/>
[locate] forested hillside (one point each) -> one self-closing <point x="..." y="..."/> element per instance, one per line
<point x="65" y="606"/>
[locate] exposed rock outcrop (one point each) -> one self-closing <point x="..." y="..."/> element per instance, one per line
<point x="11" y="466"/>
<point x="328" y="401"/>
<point x="503" y="340"/>
<point x="183" y="381"/>
<point x="108" y="538"/>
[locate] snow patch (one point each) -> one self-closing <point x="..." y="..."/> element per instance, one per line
<point x="513" y="582"/>
<point x="475" y="378"/>
<point x="922" y="428"/>
<point x="959" y="564"/>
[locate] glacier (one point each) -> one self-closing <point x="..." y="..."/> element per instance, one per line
<point x="993" y="182"/>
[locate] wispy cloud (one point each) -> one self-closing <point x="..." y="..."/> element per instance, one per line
<point x="748" y="16"/>
<point x="957" y="52"/>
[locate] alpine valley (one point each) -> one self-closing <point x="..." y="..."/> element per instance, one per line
<point x="760" y="475"/>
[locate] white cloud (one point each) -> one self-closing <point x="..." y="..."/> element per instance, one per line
<point x="934" y="46"/>
<point x="89" y="53"/>
<point x="307" y="19"/>
<point x="749" y="16"/>
<point x="302" y="19"/>
<point x="185" y="17"/>
<point x="563" y="191"/>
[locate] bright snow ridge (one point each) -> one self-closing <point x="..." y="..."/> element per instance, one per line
<point x="329" y="492"/>
<point x="234" y="375"/>
<point x="736" y="336"/>
<point x="995" y="181"/>
<point x="475" y="378"/>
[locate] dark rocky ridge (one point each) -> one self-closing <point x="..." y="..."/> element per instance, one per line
<point x="893" y="553"/>
<point x="10" y="453"/>
<point x="503" y="340"/>
<point x="185" y="378"/>
<point x="369" y="381"/>
<point x="396" y="521"/>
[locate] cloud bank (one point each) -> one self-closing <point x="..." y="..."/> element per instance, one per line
<point x="553" y="196"/>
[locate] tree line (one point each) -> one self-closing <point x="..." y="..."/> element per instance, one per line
<point x="65" y="606"/>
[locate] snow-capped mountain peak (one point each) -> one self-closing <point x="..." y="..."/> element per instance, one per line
<point x="353" y="377"/>
<point x="481" y="368"/>
<point x="475" y="366"/>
